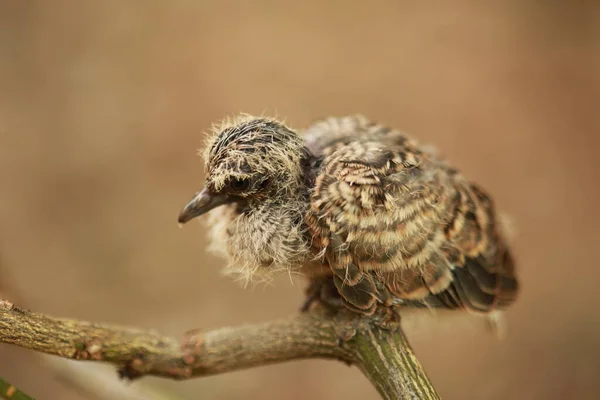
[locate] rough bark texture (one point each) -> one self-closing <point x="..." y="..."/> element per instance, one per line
<point x="382" y="353"/>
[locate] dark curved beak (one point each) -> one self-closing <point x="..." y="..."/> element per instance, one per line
<point x="201" y="203"/>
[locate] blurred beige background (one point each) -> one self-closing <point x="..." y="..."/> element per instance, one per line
<point x="103" y="106"/>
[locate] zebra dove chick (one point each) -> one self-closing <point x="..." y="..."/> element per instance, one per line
<point x="369" y="216"/>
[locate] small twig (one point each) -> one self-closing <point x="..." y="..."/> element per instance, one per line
<point x="8" y="391"/>
<point x="383" y="354"/>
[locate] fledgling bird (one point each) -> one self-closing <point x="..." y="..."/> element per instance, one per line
<point x="370" y="217"/>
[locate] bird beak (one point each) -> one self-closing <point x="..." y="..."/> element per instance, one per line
<point x="201" y="203"/>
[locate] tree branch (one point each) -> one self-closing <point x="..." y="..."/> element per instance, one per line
<point x="382" y="353"/>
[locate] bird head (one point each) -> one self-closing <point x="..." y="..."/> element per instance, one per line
<point x="249" y="159"/>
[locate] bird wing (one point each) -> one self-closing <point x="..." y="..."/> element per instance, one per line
<point x="396" y="225"/>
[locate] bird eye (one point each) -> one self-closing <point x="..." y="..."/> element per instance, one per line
<point x="239" y="184"/>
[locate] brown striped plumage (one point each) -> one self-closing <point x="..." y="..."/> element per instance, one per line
<point x="358" y="207"/>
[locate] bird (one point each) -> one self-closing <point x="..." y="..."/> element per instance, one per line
<point x="370" y="217"/>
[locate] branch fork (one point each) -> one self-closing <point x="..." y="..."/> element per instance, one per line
<point x="381" y="352"/>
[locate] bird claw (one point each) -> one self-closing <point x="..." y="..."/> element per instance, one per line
<point x="322" y="292"/>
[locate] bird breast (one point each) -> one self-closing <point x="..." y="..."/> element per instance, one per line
<point x="260" y="241"/>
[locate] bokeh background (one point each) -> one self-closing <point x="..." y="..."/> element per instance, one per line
<point x="103" y="106"/>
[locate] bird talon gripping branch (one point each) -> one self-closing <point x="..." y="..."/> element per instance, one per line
<point x="382" y="220"/>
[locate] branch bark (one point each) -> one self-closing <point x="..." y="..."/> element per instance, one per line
<point x="382" y="353"/>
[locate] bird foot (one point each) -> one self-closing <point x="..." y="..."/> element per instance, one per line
<point x="322" y="292"/>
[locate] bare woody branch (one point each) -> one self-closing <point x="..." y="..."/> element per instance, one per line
<point x="383" y="354"/>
